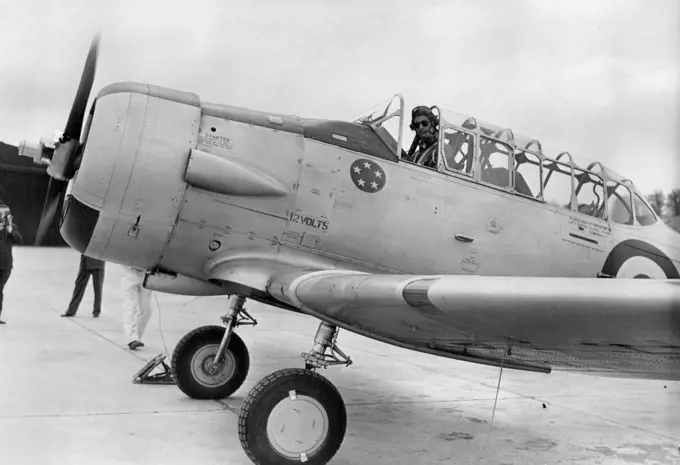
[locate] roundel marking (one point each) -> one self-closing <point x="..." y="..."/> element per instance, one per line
<point x="367" y="175"/>
<point x="638" y="259"/>
<point x="640" y="267"/>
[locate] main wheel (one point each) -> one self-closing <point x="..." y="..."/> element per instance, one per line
<point x="292" y="416"/>
<point x="192" y="364"/>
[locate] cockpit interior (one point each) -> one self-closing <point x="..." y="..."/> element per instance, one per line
<point x="494" y="156"/>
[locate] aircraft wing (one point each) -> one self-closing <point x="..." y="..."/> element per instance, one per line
<point x="621" y="325"/>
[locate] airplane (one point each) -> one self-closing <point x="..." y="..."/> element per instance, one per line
<point x="497" y="254"/>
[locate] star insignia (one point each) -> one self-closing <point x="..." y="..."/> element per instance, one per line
<point x="376" y="179"/>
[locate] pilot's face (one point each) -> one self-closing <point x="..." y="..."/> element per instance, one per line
<point x="422" y="125"/>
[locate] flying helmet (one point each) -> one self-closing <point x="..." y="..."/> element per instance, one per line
<point x="426" y="112"/>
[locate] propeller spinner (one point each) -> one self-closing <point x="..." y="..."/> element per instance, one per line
<point x="63" y="159"/>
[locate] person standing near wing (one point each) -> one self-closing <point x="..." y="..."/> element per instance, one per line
<point x="88" y="266"/>
<point x="9" y="235"/>
<point x="136" y="306"/>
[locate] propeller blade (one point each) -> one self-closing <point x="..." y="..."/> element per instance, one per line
<point x="66" y="154"/>
<point x="55" y="188"/>
<point x="76" y="117"/>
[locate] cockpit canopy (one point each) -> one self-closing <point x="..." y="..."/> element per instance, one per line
<point x="495" y="156"/>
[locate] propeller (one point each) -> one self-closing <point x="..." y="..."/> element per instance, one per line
<point x="64" y="158"/>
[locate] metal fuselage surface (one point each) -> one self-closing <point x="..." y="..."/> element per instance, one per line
<point x="154" y="191"/>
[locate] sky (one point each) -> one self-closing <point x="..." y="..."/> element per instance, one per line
<point x="596" y="78"/>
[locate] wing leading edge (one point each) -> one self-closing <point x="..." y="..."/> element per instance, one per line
<point x="625" y="326"/>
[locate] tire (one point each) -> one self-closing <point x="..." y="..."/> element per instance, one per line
<point x="193" y="354"/>
<point x="317" y="403"/>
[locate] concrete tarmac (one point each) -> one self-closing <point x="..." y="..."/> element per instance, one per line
<point x="67" y="396"/>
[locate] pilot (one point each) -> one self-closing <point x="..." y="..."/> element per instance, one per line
<point x="423" y="150"/>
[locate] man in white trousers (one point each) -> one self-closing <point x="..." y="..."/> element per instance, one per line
<point x="136" y="306"/>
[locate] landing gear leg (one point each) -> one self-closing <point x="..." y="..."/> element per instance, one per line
<point x="303" y="414"/>
<point x="212" y="362"/>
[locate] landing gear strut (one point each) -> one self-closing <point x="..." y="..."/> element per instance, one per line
<point x="212" y="362"/>
<point x="326" y="336"/>
<point x="303" y="414"/>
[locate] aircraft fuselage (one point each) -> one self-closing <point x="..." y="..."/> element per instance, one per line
<point x="172" y="183"/>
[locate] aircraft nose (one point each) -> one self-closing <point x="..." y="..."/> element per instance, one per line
<point x="129" y="187"/>
<point x="77" y="223"/>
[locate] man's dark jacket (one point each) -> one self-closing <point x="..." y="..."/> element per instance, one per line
<point x="88" y="263"/>
<point x="7" y="240"/>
